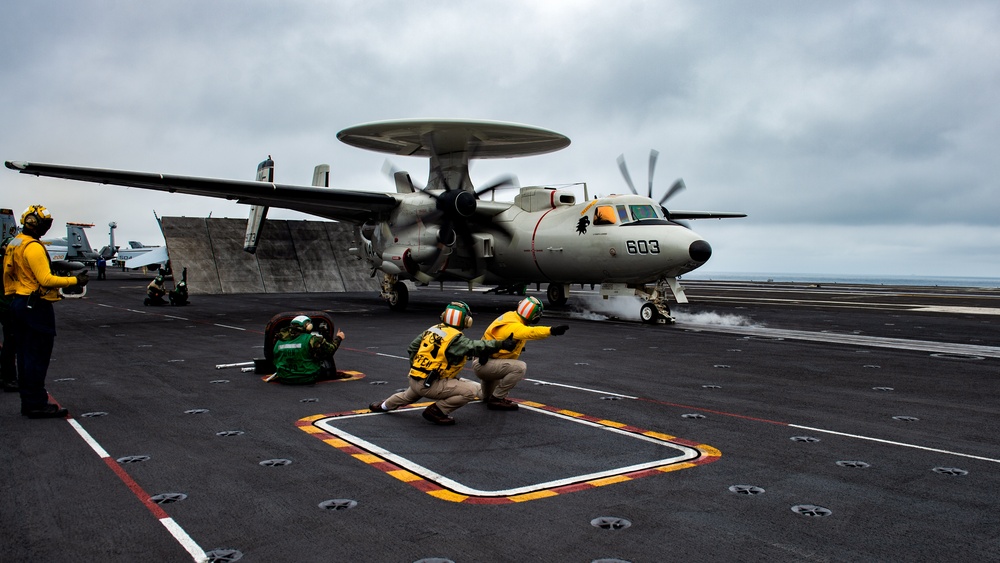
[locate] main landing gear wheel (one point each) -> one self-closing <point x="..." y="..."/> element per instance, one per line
<point x="556" y="294"/>
<point x="648" y="313"/>
<point x="399" y="297"/>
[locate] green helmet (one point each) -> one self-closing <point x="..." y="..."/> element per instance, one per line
<point x="302" y="322"/>
<point x="530" y="309"/>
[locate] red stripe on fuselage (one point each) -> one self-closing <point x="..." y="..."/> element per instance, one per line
<point x="534" y="232"/>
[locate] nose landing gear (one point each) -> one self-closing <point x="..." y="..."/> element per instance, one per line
<point x="655" y="310"/>
<point x="652" y="313"/>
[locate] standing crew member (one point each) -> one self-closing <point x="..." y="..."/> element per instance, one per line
<point x="28" y="278"/>
<point x="303" y="358"/>
<point x="436" y="358"/>
<point x="503" y="370"/>
<point x="8" y="357"/>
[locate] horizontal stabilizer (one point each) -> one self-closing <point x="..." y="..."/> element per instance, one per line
<point x="674" y="215"/>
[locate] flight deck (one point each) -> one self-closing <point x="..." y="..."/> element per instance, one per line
<point x="772" y="422"/>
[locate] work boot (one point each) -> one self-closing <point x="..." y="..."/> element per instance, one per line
<point x="44" y="411"/>
<point x="434" y="414"/>
<point x="498" y="404"/>
<point x="377" y="407"/>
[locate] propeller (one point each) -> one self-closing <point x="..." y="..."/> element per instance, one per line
<point x="454" y="211"/>
<point x="677" y="186"/>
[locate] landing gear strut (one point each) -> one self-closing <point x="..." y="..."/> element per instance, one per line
<point x="395" y="293"/>
<point x="557" y="294"/>
<point x="656" y="310"/>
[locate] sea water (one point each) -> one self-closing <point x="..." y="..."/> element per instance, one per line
<point x="924" y="281"/>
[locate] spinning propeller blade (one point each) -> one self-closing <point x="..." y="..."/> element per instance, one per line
<point x="653" y="155"/>
<point x="501" y="182"/>
<point x="625" y="174"/>
<point x="678" y="186"/>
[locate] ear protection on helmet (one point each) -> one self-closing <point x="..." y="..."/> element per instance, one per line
<point x="530" y="309"/>
<point x="457" y="314"/>
<point x="36" y="219"/>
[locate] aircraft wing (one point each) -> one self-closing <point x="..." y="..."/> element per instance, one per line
<point x="672" y="215"/>
<point x="157" y="255"/>
<point x="330" y="203"/>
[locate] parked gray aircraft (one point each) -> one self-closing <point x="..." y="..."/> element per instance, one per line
<point x="629" y="244"/>
<point x="75" y="247"/>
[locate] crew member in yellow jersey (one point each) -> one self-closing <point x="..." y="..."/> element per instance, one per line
<point x="436" y="358"/>
<point x="27" y="276"/>
<point x="502" y="370"/>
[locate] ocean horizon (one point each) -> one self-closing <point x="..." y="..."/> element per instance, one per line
<point x="912" y="280"/>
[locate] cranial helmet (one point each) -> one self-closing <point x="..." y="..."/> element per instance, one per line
<point x="530" y="309"/>
<point x="303" y="322"/>
<point x="457" y="314"/>
<point x="36" y="220"/>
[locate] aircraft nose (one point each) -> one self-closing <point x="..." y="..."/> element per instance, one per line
<point x="700" y="251"/>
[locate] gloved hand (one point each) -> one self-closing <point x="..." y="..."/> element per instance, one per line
<point x="483" y="359"/>
<point x="508" y="344"/>
<point x="559" y="330"/>
<point x="82" y="278"/>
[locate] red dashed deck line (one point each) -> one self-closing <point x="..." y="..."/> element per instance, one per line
<point x="710" y="411"/>
<point x="708" y="454"/>
<point x="355" y="375"/>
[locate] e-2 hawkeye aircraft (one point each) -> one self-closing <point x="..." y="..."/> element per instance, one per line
<point x="629" y="244"/>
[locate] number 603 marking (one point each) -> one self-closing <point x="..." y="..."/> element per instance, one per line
<point x="642" y="246"/>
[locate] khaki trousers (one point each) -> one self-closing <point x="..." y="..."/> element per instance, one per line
<point x="499" y="376"/>
<point x="450" y="394"/>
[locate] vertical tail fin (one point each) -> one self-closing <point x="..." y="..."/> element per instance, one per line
<point x="321" y="176"/>
<point x="258" y="213"/>
<point x="8" y="224"/>
<point x="77" y="246"/>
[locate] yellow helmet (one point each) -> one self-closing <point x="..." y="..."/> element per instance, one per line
<point x="36" y="218"/>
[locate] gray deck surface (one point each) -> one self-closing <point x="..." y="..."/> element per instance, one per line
<point x="791" y="384"/>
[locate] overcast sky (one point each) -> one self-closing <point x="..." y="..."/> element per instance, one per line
<point x="862" y="138"/>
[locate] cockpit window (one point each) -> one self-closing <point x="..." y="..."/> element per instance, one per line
<point x="640" y="212"/>
<point x="622" y="214"/>
<point x="604" y="215"/>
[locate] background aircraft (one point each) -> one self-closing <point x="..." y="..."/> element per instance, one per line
<point x="8" y="224"/>
<point x="75" y="247"/>
<point x="629" y="244"/>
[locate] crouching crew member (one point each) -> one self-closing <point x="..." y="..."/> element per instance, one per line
<point x="436" y="358"/>
<point x="155" y="292"/>
<point x="303" y="358"/>
<point x="502" y="370"/>
<point x="27" y="276"/>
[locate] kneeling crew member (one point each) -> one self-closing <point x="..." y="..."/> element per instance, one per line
<point x="303" y="358"/>
<point x="27" y="277"/>
<point x="155" y="292"/>
<point x="436" y="358"/>
<point x="501" y="371"/>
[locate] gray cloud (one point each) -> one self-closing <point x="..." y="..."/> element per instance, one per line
<point x="834" y="124"/>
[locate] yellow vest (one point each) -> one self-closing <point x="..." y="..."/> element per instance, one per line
<point x="430" y="356"/>
<point x="26" y="269"/>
